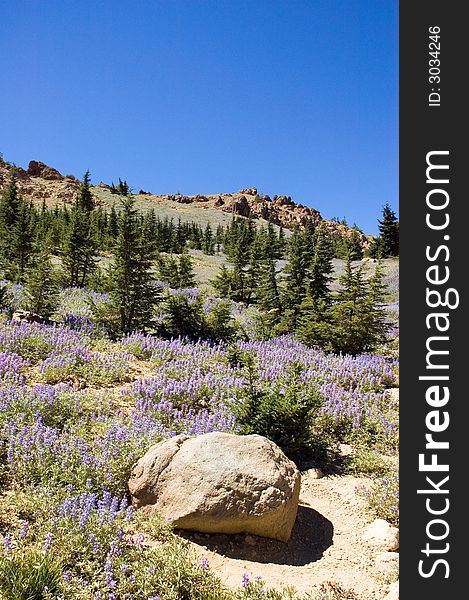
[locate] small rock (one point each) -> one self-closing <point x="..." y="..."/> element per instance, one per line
<point x="315" y="473"/>
<point x="383" y="535"/>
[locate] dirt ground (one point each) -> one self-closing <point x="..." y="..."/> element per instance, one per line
<point x="325" y="545"/>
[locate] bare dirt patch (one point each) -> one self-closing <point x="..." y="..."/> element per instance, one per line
<point x="325" y="545"/>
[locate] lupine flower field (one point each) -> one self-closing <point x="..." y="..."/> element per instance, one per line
<point x="77" y="410"/>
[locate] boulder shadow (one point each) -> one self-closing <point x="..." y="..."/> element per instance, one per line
<point x="312" y="534"/>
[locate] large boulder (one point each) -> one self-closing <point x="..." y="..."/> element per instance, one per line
<point x="219" y="483"/>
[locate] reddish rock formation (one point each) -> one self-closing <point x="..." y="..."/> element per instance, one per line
<point x="43" y="183"/>
<point x="39" y="169"/>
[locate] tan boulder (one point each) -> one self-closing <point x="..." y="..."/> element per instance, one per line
<point x="220" y="483"/>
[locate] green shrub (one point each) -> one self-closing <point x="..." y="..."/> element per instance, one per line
<point x="283" y="413"/>
<point x="367" y="461"/>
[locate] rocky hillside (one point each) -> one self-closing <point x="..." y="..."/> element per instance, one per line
<point x="42" y="183"/>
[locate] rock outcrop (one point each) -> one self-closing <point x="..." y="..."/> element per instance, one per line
<point x="219" y="483"/>
<point x="39" y="169"/>
<point x="42" y="183"/>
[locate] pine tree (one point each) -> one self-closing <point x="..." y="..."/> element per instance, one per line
<point x="113" y="224"/>
<point x="319" y="272"/>
<point x="208" y="241"/>
<point x="219" y="235"/>
<point x="168" y="269"/>
<point x="253" y="273"/>
<point x="219" y="323"/>
<point x="378" y="321"/>
<point x="186" y="276"/>
<point x="85" y="199"/>
<point x="182" y="317"/>
<point x="16" y="231"/>
<point x="351" y="312"/>
<point x="179" y="238"/>
<point x="150" y="226"/>
<point x="295" y="273"/>
<point x="23" y="238"/>
<point x="238" y="272"/>
<point x="268" y="295"/>
<point x="41" y="284"/>
<point x="80" y="247"/>
<point x="133" y="292"/>
<point x="316" y="326"/>
<point x="223" y="282"/>
<point x="4" y="299"/>
<point x="9" y="207"/>
<point x="9" y="203"/>
<point x="354" y="245"/>
<point x="282" y="243"/>
<point x="389" y="230"/>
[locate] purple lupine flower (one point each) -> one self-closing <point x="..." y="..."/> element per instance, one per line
<point x="24" y="529"/>
<point x="7" y="543"/>
<point x="47" y="542"/>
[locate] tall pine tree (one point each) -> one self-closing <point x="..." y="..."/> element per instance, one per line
<point x="133" y="292"/>
<point x="389" y="229"/>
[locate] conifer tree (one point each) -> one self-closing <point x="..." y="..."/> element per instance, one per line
<point x="351" y="311"/>
<point x="378" y="322"/>
<point x="85" y="199"/>
<point x="150" y="226"/>
<point x="252" y="277"/>
<point x="182" y="317"/>
<point x="133" y="292"/>
<point x="208" y="241"/>
<point x="268" y="295"/>
<point x="295" y="271"/>
<point x="41" y="284"/>
<point x="16" y="231"/>
<point x="179" y="238"/>
<point x="282" y="243"/>
<point x="238" y="273"/>
<point x="354" y="245"/>
<point x="389" y="230"/>
<point x="319" y="271"/>
<point x="186" y="276"/>
<point x="316" y="325"/>
<point x="219" y="238"/>
<point x="113" y="224"/>
<point x="223" y="282"/>
<point x="23" y="238"/>
<point x="80" y="247"/>
<point x="9" y="206"/>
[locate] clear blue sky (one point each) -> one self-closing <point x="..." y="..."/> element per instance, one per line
<point x="294" y="97"/>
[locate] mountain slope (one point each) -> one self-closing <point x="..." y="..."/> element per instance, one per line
<point x="41" y="183"/>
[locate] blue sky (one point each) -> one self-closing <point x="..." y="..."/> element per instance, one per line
<point x="205" y="96"/>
